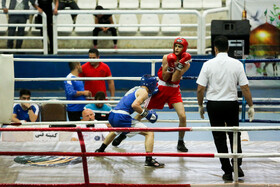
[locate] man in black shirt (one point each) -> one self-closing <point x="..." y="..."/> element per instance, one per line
<point x="104" y="19"/>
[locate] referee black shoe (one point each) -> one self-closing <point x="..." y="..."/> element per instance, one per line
<point x="227" y="177"/>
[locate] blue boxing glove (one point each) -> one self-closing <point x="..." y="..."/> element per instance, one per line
<point x="154" y="92"/>
<point x="150" y="115"/>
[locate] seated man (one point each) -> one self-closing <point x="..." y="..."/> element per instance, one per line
<point x="68" y="3"/>
<point x="101" y="110"/>
<point x="104" y="19"/>
<point x="88" y="115"/>
<point x="25" y="112"/>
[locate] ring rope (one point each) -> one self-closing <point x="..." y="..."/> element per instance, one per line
<point x="137" y="154"/>
<point x="115" y="102"/>
<point x="128" y="60"/>
<point x="184" y="98"/>
<point x="124" y="78"/>
<point x="162" y="129"/>
<point x="84" y="154"/>
<point x="102" y="122"/>
<point x="249" y="78"/>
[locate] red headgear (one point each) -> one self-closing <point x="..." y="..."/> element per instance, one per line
<point x="181" y="41"/>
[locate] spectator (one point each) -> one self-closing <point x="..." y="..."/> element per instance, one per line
<point x="121" y="116"/>
<point x="97" y="69"/>
<point x="17" y="19"/>
<point x="25" y="112"/>
<point x="104" y="19"/>
<point x="101" y="110"/>
<point x="46" y="6"/>
<point x="88" y="115"/>
<point x="74" y="90"/>
<point x="68" y="3"/>
<point x="221" y="75"/>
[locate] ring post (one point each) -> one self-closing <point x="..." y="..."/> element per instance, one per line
<point x="7" y="88"/>
<point x="243" y="98"/>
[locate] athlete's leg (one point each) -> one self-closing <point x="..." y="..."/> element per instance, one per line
<point x="180" y="110"/>
<point x="179" y="107"/>
<point x="149" y="141"/>
<point x="149" y="147"/>
<point x="109" y="138"/>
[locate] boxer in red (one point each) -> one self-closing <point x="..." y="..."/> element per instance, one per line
<point x="174" y="65"/>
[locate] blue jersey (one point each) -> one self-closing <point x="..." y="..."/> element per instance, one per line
<point x="126" y="102"/>
<point x="120" y="116"/>
<point x="71" y="88"/>
<point x="23" y="114"/>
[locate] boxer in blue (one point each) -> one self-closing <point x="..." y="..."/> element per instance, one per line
<point x="121" y="116"/>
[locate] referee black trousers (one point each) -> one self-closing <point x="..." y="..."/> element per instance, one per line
<point x="224" y="113"/>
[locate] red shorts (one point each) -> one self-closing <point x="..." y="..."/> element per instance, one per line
<point x="166" y="94"/>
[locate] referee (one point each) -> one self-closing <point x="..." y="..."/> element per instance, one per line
<point x="221" y="75"/>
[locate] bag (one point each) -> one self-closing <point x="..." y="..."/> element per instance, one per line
<point x="38" y="20"/>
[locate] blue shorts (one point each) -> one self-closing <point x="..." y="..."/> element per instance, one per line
<point x="120" y="120"/>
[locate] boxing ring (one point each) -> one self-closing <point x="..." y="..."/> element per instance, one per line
<point x="53" y="163"/>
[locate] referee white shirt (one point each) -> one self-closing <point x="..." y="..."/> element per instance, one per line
<point x="222" y="74"/>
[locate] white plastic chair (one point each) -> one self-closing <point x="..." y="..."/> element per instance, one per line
<point x="3" y="20"/>
<point x="33" y="29"/>
<point x="171" y="4"/>
<point x="128" y="19"/>
<point x="109" y="4"/>
<point x="192" y="4"/>
<point x="171" y="19"/>
<point x="129" y="4"/>
<point x="206" y="4"/>
<point x="149" y="19"/>
<point x="86" y="4"/>
<point x="87" y="19"/>
<point x="64" y="19"/>
<point x="149" y="4"/>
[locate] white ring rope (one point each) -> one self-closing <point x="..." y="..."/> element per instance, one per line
<point x="115" y="102"/>
<point x="81" y="79"/>
<point x="85" y="60"/>
<point x="184" y="98"/>
<point x="246" y="155"/>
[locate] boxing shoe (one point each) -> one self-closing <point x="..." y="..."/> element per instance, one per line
<point x="119" y="139"/>
<point x="181" y="146"/>
<point x="153" y="163"/>
<point x="99" y="151"/>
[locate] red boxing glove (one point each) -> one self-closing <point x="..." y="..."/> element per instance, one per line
<point x="185" y="59"/>
<point x="171" y="59"/>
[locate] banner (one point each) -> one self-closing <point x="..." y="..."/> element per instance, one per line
<point x="264" y="17"/>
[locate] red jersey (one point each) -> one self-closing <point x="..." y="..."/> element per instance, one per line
<point x="102" y="70"/>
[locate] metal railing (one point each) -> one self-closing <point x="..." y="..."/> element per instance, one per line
<point x="104" y="12"/>
<point x="200" y="37"/>
<point x="43" y="25"/>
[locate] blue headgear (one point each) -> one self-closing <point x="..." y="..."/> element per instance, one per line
<point x="150" y="82"/>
